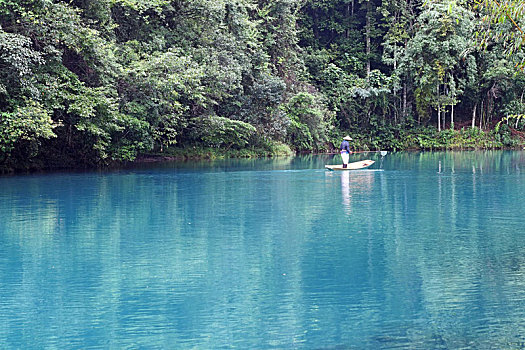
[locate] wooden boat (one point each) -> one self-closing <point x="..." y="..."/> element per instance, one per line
<point x="351" y="166"/>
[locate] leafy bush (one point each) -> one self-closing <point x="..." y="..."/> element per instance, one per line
<point x="222" y="132"/>
<point x="26" y="125"/>
<point x="503" y="134"/>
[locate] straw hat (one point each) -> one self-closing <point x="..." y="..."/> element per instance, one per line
<point x="347" y="138"/>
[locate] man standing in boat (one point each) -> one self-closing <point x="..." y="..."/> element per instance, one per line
<point x="345" y="150"/>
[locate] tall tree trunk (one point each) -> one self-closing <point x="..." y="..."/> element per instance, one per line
<point x="395" y="56"/>
<point x="367" y="36"/>
<point x="452" y="118"/>
<point x="439" y="118"/>
<point x="480" y="115"/>
<point x="405" y="88"/>
<point x="474" y="116"/>
<point x="439" y="110"/>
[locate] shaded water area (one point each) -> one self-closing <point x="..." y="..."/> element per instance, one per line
<point x="420" y="251"/>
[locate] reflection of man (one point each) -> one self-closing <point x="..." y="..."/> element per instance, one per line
<point x="345" y="190"/>
<point x="345" y="150"/>
<point x="358" y="183"/>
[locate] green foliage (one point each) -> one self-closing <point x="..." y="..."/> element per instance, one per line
<point x="24" y="128"/>
<point x="142" y="5"/>
<point x="220" y="132"/>
<point x="160" y="90"/>
<point x="307" y="127"/>
<point x="501" y="21"/>
<point x="18" y="62"/>
<point x="435" y="54"/>
<point x="506" y="131"/>
<point x="503" y="134"/>
<point x="260" y="107"/>
<point x="269" y="149"/>
<point x="429" y="138"/>
<point x="465" y="138"/>
<point x="517" y="118"/>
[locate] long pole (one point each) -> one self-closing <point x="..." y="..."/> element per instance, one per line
<point x="366" y="152"/>
<point x="361" y="152"/>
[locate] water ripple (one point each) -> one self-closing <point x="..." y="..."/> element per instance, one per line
<point x="423" y="252"/>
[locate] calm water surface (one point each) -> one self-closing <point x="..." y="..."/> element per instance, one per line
<point x="420" y="251"/>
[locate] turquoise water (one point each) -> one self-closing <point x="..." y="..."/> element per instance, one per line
<point x="420" y="251"/>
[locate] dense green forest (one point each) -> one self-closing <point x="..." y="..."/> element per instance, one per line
<point x="91" y="82"/>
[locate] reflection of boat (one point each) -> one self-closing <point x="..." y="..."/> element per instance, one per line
<point x="351" y="166"/>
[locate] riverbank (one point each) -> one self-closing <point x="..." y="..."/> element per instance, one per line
<point x="421" y="139"/>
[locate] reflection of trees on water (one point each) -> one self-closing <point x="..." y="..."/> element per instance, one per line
<point x="477" y="161"/>
<point x="423" y="249"/>
<point x="464" y="235"/>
